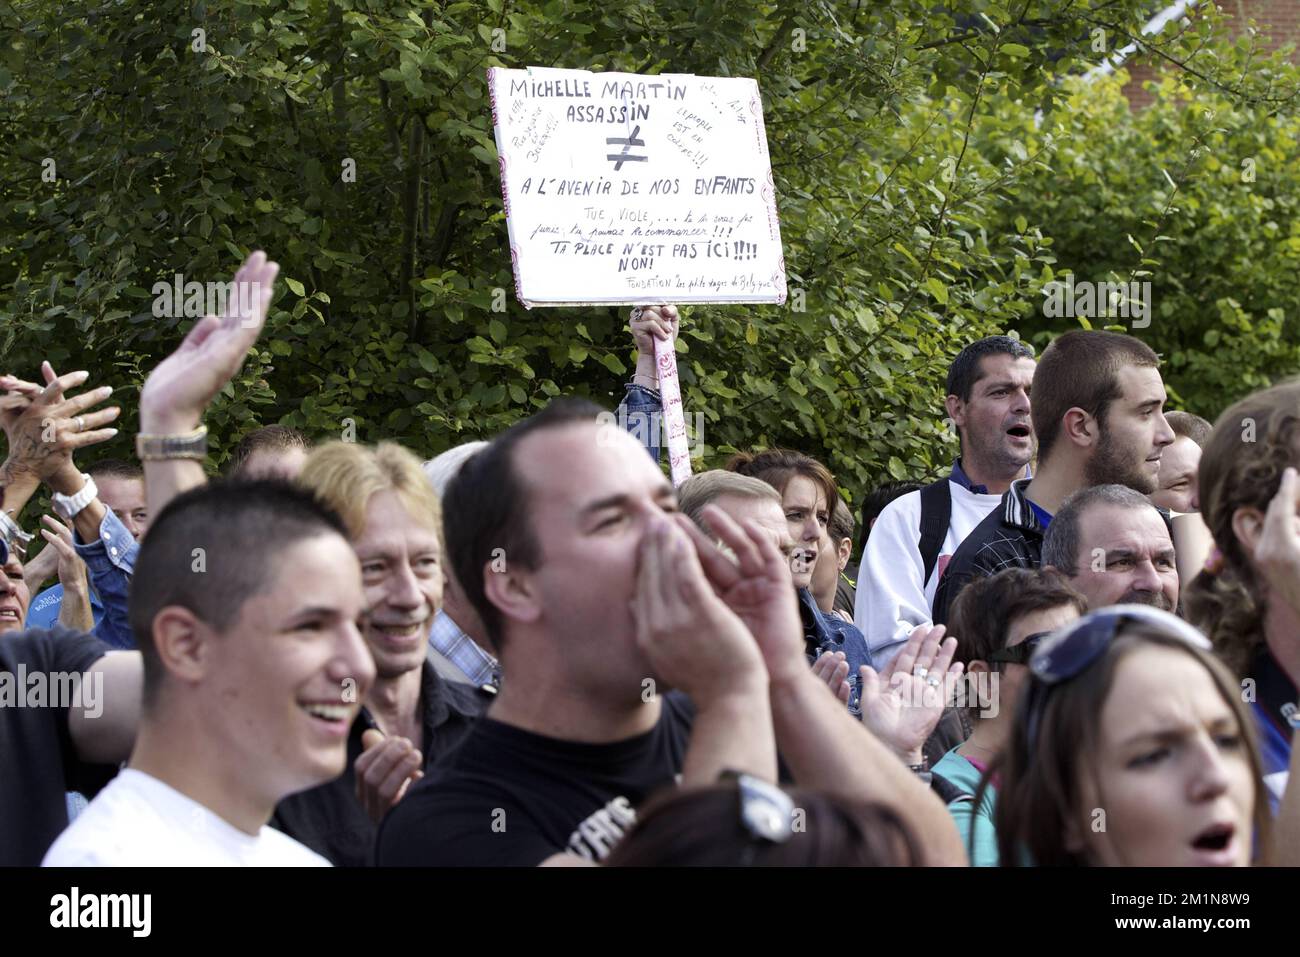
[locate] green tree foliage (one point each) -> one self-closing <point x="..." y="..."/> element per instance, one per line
<point x="933" y="167"/>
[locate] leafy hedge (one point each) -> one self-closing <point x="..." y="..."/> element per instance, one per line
<point x="934" y="169"/>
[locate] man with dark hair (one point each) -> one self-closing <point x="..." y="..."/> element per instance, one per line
<point x="1179" y="491"/>
<point x="874" y="502"/>
<point x="273" y="451"/>
<point x="120" y="486"/>
<point x="547" y="555"/>
<point x="1114" y="547"/>
<point x="121" y="489"/>
<point x="245" y="611"/>
<point x="998" y="621"/>
<point x="905" y="556"/>
<point x="1098" y="414"/>
<point x="599" y="601"/>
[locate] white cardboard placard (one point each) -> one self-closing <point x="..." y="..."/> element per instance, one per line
<point x="621" y="188"/>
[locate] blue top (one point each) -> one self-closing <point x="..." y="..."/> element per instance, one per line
<point x="641" y="414"/>
<point x="45" y="608"/>
<point x="964" y="775"/>
<point x="961" y="478"/>
<point x="446" y="638"/>
<point x="1274" y="711"/>
<point x="110" y="559"/>
<point x="1044" y="517"/>
<point x="823" y="633"/>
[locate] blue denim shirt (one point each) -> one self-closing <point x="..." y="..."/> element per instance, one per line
<point x="823" y="633"/>
<point x="641" y="414"/>
<point x="110" y="560"/>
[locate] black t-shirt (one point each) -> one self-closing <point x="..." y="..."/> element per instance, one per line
<point x="511" y="797"/>
<point x="330" y="820"/>
<point x="38" y="762"/>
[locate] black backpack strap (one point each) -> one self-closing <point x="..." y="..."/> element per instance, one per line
<point x="936" y="514"/>
<point x="947" y="791"/>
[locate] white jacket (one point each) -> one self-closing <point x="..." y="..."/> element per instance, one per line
<point x="891" y="597"/>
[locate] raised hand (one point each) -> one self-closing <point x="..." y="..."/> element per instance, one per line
<point x="690" y="637"/>
<point x="902" y="704"/>
<point x="44" y="426"/>
<point x="183" y="385"/>
<point x="40" y="569"/>
<point x="649" y="323"/>
<point x="75" y="611"/>
<point x="72" y="570"/>
<point x="754" y="581"/>
<point x="1277" y="550"/>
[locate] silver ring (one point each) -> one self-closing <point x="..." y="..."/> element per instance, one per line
<point x="933" y="681"/>
<point x="920" y="671"/>
<point x="636" y="314"/>
<point x="81" y="423"/>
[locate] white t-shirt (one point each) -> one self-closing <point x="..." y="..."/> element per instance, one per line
<point x="138" y="821"/>
<point x="891" y="598"/>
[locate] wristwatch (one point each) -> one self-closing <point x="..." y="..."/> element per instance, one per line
<point x="15" y="538"/>
<point x="189" y="445"/>
<point x="68" y="506"/>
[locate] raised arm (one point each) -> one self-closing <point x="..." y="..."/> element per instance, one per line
<point x="74" y="611"/>
<point x="821" y="742"/>
<point x="44" y="427"/>
<point x="697" y="644"/>
<point x="641" y="411"/>
<point x="182" y="386"/>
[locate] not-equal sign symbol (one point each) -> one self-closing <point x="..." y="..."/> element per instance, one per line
<point x="618" y="159"/>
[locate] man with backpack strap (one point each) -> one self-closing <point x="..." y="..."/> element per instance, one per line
<point x="988" y="402"/>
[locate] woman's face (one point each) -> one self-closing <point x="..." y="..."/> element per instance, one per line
<point x="807" y="512"/>
<point x="1173" y="785"/>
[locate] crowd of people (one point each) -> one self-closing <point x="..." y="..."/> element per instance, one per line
<point x="1077" y="648"/>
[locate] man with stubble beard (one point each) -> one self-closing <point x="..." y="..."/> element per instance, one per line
<point x="1098" y="413"/>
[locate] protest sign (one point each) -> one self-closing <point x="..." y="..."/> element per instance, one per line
<point x="622" y="188"/>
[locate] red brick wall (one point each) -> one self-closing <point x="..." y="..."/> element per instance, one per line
<point x="1278" y="22"/>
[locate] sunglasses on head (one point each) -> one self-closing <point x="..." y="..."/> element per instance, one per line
<point x="1068" y="651"/>
<point x="1021" y="653"/>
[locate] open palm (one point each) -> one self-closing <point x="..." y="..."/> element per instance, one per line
<point x="182" y="386"/>
<point x="902" y="704"/>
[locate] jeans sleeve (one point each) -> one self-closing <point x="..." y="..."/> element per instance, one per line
<point x="110" y="559"/>
<point x="641" y="413"/>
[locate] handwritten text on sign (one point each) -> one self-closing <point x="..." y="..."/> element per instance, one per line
<point x="622" y="188"/>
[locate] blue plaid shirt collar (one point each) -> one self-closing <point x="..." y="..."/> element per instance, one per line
<point x="448" y="640"/>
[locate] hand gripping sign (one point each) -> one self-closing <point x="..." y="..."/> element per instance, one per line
<point x="627" y="189"/>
